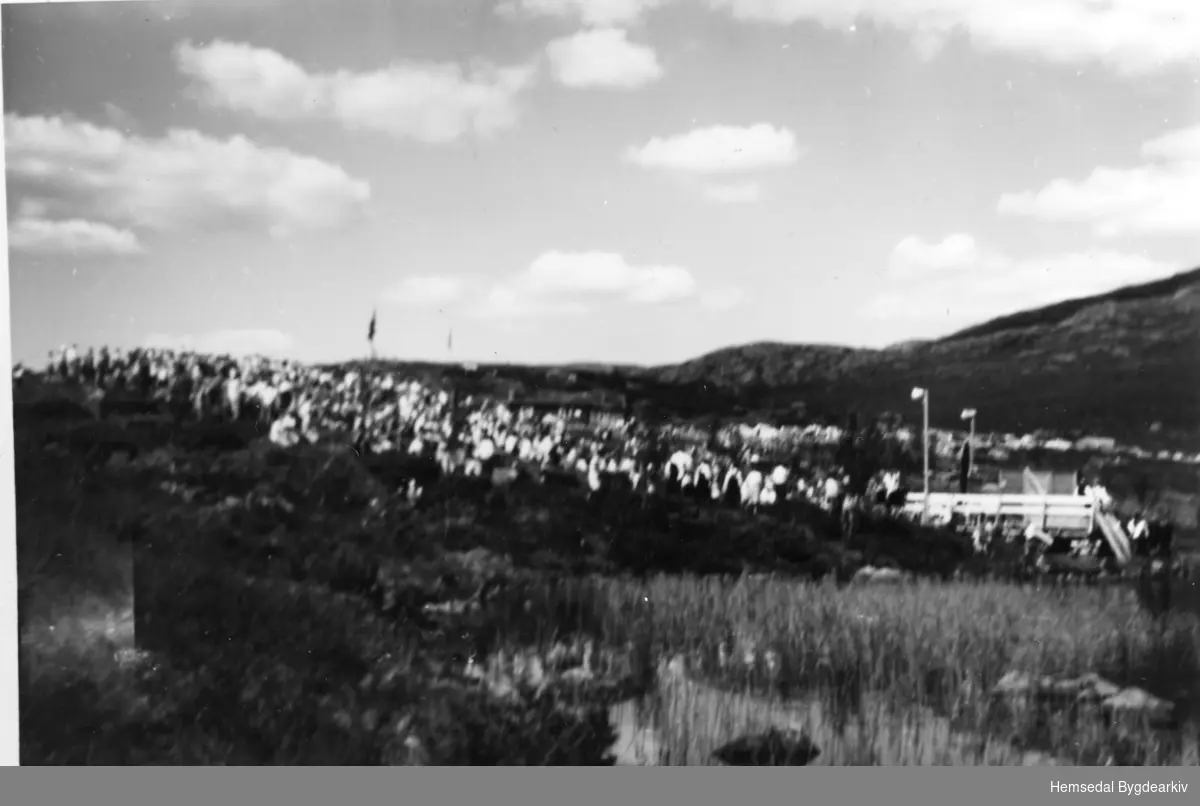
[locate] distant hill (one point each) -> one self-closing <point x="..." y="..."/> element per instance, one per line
<point x="1111" y="364"/>
<point x="1124" y="364"/>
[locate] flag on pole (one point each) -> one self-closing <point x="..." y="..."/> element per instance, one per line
<point x="371" y="328"/>
<point x="450" y="341"/>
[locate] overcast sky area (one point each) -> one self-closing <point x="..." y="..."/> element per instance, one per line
<point x="612" y="180"/>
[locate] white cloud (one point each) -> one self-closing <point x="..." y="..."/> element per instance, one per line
<point x="735" y="193"/>
<point x="431" y="102"/>
<point x="514" y="302"/>
<point x="719" y="149"/>
<point x="962" y="283"/>
<point x="722" y="299"/>
<point x="571" y="282"/>
<point x="185" y="179"/>
<point x="589" y="12"/>
<point x="914" y="257"/>
<point x="226" y="342"/>
<point x="1130" y="36"/>
<point x="602" y="57"/>
<point x="1159" y="197"/>
<point x="41" y="236"/>
<point x="427" y="291"/>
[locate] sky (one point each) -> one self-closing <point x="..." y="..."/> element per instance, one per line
<point x="632" y="181"/>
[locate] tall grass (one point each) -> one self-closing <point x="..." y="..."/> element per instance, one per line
<point x="895" y="675"/>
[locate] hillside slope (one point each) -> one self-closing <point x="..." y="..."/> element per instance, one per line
<point x="1112" y="364"/>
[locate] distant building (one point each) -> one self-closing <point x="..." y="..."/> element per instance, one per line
<point x="1102" y="444"/>
<point x="1060" y="445"/>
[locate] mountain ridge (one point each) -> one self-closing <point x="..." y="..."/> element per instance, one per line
<point x="1125" y="361"/>
<point x="1124" y="364"/>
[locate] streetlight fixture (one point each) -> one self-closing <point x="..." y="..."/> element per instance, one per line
<point x="970" y="414"/>
<point x="922" y="395"/>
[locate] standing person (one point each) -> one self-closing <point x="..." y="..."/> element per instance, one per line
<point x="849" y="513"/>
<point x="87" y="368"/>
<point x="200" y="392"/>
<point x="752" y="488"/>
<point x="1139" y="530"/>
<point x="182" y="389"/>
<point x="704" y="482"/>
<point x="833" y="491"/>
<point x="144" y="377"/>
<point x="779" y="476"/>
<point x="233" y="394"/>
<point x="103" y="367"/>
<point x="72" y="359"/>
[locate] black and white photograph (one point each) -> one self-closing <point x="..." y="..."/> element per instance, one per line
<point x="605" y="382"/>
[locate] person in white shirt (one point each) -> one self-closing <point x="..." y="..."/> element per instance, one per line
<point x="977" y="539"/>
<point x="832" y="491"/>
<point x="593" y="475"/>
<point x="752" y="488"/>
<point x="283" y="431"/>
<point x="485" y="449"/>
<point x="1139" y="530"/>
<point x="731" y="485"/>
<point x="233" y="395"/>
<point x="849" y="513"/>
<point x="682" y="461"/>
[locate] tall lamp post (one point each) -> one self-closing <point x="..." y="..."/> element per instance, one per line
<point x="923" y="395"/>
<point x="969" y="414"/>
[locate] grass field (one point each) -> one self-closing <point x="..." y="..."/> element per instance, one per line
<point x="282" y="599"/>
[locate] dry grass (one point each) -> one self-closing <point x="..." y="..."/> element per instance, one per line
<point x="899" y="675"/>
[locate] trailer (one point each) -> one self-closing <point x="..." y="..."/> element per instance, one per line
<point x="1078" y="514"/>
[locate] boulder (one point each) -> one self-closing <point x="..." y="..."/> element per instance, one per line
<point x="870" y="574"/>
<point x="774" y="747"/>
<point x="1089" y="689"/>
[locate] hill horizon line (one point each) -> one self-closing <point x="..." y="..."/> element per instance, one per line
<point x="1030" y="316"/>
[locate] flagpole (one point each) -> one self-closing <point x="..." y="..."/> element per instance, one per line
<point x="371" y="333"/>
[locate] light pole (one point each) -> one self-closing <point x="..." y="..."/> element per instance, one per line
<point x="970" y="414"/>
<point x="923" y="395"/>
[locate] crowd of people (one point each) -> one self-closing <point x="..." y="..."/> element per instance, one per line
<point x="380" y="412"/>
<point x="377" y="411"/>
